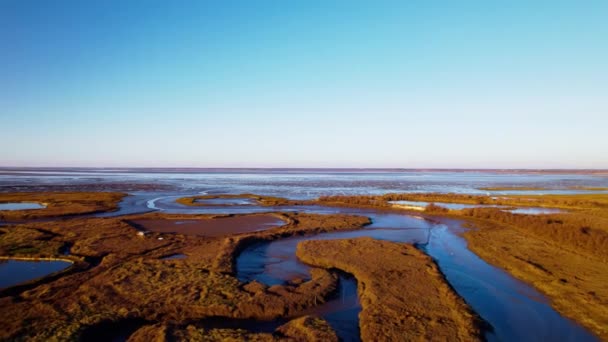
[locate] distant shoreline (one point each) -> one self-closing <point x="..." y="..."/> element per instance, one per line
<point x="42" y="170"/>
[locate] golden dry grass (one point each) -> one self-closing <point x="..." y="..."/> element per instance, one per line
<point x="60" y="204"/>
<point x="403" y="294"/>
<point x="305" y="329"/>
<point x="258" y="199"/>
<point x="121" y="276"/>
<point x="574" y="278"/>
<point x="564" y="255"/>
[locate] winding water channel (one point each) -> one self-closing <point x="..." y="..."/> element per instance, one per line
<point x="514" y="310"/>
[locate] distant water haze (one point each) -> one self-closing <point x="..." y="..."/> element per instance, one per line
<point x="306" y="184"/>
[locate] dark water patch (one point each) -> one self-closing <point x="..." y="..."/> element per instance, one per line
<point x="342" y="309"/>
<point x="14" y="272"/>
<point x="174" y="257"/>
<point x="66" y="249"/>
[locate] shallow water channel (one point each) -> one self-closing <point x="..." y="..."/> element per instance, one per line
<point x="515" y="311"/>
<point x="459" y="206"/>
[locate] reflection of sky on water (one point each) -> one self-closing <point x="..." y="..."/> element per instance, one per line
<point x="516" y="311"/>
<point x="20" y="206"/>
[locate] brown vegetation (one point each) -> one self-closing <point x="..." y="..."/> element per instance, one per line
<point x="532" y="188"/>
<point x="60" y="204"/>
<point x="403" y="294"/>
<point x="571" y="202"/>
<point x="563" y="255"/>
<point x="306" y="328"/>
<point x="577" y="232"/>
<point x="589" y="188"/>
<point x="435" y="209"/>
<point x="122" y="277"/>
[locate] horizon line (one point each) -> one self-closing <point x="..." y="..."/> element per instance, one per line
<point x="16" y="168"/>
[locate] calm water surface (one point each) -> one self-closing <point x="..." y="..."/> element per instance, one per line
<point x="13" y="272"/>
<point x="516" y="311"/>
<point x="21" y="206"/>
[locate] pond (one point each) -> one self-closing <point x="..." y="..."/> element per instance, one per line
<point x="13" y="272"/>
<point x="21" y="206"/>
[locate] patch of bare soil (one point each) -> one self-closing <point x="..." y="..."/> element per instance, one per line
<point x="221" y="226"/>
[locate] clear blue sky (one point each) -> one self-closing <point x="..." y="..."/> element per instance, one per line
<point x="304" y="83"/>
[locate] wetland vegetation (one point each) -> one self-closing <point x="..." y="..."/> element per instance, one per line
<point x="173" y="283"/>
<point x="561" y="254"/>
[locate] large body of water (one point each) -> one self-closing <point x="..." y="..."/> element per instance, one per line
<point x="306" y="184"/>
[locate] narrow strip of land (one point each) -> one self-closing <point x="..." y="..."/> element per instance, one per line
<point x="403" y="294"/>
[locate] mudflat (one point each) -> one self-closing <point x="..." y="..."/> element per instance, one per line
<point x="215" y="227"/>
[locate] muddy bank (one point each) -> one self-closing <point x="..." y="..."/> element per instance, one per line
<point x="210" y="227"/>
<point x="402" y="292"/>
